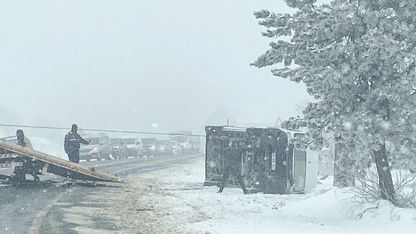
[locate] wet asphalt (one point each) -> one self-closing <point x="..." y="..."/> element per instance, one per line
<point x="58" y="205"/>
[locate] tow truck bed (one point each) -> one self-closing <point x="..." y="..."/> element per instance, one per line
<point x="13" y="154"/>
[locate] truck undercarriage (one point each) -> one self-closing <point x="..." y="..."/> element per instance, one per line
<point x="266" y="158"/>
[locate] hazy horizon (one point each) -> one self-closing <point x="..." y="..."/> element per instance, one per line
<point x="140" y="66"/>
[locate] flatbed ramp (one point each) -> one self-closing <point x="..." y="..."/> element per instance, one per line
<point x="52" y="164"/>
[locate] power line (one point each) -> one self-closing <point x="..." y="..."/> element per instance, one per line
<point x="102" y="130"/>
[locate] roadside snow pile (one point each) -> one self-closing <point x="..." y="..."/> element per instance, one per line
<point x="174" y="200"/>
<point x="49" y="147"/>
<point x="45" y="146"/>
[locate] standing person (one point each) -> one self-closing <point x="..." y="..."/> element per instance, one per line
<point x="72" y="144"/>
<point x="30" y="166"/>
<point x="22" y="140"/>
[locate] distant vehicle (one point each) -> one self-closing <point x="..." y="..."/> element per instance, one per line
<point x="134" y="146"/>
<point x="149" y="146"/>
<point x="118" y="148"/>
<point x="98" y="148"/>
<point x="166" y="147"/>
<point x="188" y="144"/>
<point x="176" y="149"/>
<point x="161" y="147"/>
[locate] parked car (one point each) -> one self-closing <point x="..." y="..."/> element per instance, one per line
<point x="133" y="145"/>
<point x="163" y="147"/>
<point x="167" y="147"/>
<point x="189" y="144"/>
<point x="149" y="146"/>
<point x="98" y="148"/>
<point x="176" y="149"/>
<point x="118" y="148"/>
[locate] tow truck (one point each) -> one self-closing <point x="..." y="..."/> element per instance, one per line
<point x="27" y="161"/>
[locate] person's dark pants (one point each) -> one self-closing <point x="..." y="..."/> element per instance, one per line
<point x="74" y="156"/>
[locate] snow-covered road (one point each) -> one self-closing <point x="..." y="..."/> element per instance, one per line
<point x="174" y="200"/>
<point x="60" y="207"/>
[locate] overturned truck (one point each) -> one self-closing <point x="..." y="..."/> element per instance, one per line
<point x="27" y="161"/>
<point x="268" y="159"/>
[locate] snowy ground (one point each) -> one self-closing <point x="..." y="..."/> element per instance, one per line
<point x="47" y="146"/>
<point x="175" y="201"/>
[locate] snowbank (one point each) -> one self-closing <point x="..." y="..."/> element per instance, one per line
<point x="49" y="147"/>
<point x="175" y="201"/>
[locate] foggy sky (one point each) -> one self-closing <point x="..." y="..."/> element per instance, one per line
<point x="138" y="65"/>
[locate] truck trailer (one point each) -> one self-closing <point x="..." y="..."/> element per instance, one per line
<point x="270" y="160"/>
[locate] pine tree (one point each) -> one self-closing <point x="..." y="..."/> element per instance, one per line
<point x="357" y="59"/>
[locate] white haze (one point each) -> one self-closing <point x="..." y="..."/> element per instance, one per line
<point x="137" y="65"/>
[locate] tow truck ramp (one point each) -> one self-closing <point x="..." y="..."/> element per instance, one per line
<point x="37" y="163"/>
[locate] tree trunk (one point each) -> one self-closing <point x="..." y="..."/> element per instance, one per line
<point x="342" y="173"/>
<point x="385" y="181"/>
